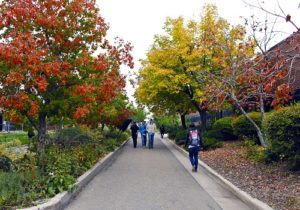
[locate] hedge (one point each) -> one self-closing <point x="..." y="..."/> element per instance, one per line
<point x="223" y="129"/>
<point x="244" y="128"/>
<point x="282" y="129"/>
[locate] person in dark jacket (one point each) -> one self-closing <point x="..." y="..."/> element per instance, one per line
<point x="134" y="129"/>
<point x="193" y="142"/>
<point x="162" y="131"/>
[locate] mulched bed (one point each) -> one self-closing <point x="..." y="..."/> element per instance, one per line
<point x="272" y="184"/>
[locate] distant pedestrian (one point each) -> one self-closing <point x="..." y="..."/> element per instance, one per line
<point x="193" y="142"/>
<point x="151" y="131"/>
<point x="143" y="131"/>
<point x="134" y="129"/>
<point x="162" y="131"/>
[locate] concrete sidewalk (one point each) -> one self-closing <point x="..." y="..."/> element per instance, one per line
<point x="159" y="178"/>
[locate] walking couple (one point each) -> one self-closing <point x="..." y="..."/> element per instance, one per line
<point x="144" y="128"/>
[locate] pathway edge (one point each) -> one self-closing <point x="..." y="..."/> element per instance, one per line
<point x="245" y="197"/>
<point x="61" y="200"/>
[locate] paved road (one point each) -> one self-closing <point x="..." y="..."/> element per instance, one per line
<point x="143" y="179"/>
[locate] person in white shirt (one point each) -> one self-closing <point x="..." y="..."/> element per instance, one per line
<point x="151" y="128"/>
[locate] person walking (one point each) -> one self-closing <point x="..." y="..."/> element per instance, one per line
<point x="193" y="142"/>
<point x="162" y="131"/>
<point x="151" y="132"/>
<point x="143" y="132"/>
<point x="134" y="129"/>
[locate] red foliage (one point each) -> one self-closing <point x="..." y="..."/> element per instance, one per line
<point x="49" y="49"/>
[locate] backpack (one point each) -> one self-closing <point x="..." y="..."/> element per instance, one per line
<point x="194" y="138"/>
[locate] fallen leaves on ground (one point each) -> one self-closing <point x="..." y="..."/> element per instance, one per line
<point x="272" y="184"/>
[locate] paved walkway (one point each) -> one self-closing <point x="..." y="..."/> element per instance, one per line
<point x="156" y="179"/>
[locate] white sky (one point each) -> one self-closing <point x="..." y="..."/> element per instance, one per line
<point x="137" y="21"/>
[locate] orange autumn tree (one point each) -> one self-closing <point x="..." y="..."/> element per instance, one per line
<point x="55" y="60"/>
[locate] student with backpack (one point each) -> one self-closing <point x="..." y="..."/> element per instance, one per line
<point x="193" y="142"/>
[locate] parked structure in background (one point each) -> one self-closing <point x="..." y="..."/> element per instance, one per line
<point x="6" y="126"/>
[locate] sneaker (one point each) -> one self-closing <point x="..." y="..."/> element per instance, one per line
<point x="193" y="169"/>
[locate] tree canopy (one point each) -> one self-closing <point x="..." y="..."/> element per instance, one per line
<point x="55" y="60"/>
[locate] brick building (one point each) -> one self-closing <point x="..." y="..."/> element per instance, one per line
<point x="290" y="48"/>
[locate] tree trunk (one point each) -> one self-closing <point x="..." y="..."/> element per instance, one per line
<point x="102" y="126"/>
<point x="261" y="102"/>
<point x="182" y="118"/>
<point x="41" y="138"/>
<point x="203" y="118"/>
<point x="202" y="113"/>
<point x="258" y="130"/>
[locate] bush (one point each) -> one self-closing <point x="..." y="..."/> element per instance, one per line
<point x="180" y="136"/>
<point x="111" y="133"/>
<point x="223" y="129"/>
<point x="62" y="165"/>
<point x="255" y="152"/>
<point x="282" y="128"/>
<point x="110" y="144"/>
<point x="27" y="163"/>
<point x="243" y="128"/>
<point x="5" y="163"/>
<point x="209" y="141"/>
<point x="20" y="188"/>
<point x="72" y="136"/>
<point x="60" y="169"/>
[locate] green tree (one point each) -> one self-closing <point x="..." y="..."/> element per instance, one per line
<point x="177" y="60"/>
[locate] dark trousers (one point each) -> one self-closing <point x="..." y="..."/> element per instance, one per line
<point x="134" y="138"/>
<point x="193" y="154"/>
<point x="162" y="135"/>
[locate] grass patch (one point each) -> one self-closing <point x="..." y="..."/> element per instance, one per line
<point x="7" y="137"/>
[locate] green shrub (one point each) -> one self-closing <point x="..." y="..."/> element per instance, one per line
<point x="20" y="188"/>
<point x="255" y="152"/>
<point x="27" y="163"/>
<point x="243" y="128"/>
<point x="282" y="128"/>
<point x="180" y="136"/>
<point x="110" y="144"/>
<point x="60" y="169"/>
<point x="210" y="142"/>
<point x="111" y="134"/>
<point x="11" y="188"/>
<point x="223" y="129"/>
<point x="63" y="163"/>
<point x="72" y="136"/>
<point x="295" y="162"/>
<point x="213" y="134"/>
<point x="172" y="133"/>
<point x="5" y="163"/>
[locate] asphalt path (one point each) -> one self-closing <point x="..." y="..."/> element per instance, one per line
<point x="146" y="179"/>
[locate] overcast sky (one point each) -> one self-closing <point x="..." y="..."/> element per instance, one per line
<point x="137" y="21"/>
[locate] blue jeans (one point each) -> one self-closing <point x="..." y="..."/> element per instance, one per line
<point x="144" y="139"/>
<point x="193" y="154"/>
<point x="150" y="139"/>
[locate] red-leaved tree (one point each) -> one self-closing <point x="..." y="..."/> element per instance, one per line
<point x="54" y="59"/>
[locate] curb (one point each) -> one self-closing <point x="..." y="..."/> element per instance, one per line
<point x="61" y="200"/>
<point x="245" y="197"/>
